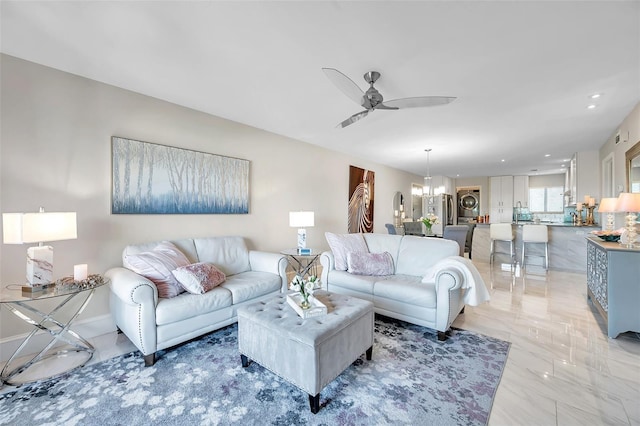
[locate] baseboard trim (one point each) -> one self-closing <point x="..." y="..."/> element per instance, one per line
<point x="87" y="328"/>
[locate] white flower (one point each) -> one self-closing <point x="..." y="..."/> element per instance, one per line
<point x="295" y="287"/>
<point x="308" y="286"/>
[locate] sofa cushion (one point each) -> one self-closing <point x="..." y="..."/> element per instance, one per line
<point x="252" y="284"/>
<point x="342" y="244"/>
<point x="407" y="289"/>
<point x="229" y="254"/>
<point x="417" y="254"/>
<point x="187" y="305"/>
<point x="361" y="283"/>
<point x="157" y="265"/>
<point x="370" y="263"/>
<point x="198" y="278"/>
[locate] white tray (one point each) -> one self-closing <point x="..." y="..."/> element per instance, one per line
<point x="317" y="307"/>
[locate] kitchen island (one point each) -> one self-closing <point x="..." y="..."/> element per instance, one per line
<point x="567" y="246"/>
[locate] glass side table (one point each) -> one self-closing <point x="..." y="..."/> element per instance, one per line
<point x="22" y="304"/>
<point x="303" y="264"/>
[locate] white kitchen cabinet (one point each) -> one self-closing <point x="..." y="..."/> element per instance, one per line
<point x="501" y="202"/>
<point x="521" y="191"/>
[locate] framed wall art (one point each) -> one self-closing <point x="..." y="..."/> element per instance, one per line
<point x="148" y="178"/>
<point x="361" y="191"/>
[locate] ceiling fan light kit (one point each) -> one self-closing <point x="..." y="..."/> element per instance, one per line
<point x="372" y="99"/>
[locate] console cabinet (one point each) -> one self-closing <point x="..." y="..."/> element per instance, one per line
<point x="613" y="286"/>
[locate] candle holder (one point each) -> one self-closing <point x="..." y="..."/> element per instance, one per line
<point x="579" y="217"/>
<point x="590" y="220"/>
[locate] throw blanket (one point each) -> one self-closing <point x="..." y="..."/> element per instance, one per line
<point x="476" y="290"/>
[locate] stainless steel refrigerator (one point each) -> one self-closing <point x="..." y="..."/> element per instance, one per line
<point x="442" y="206"/>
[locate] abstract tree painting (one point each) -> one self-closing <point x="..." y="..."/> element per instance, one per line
<point x="361" y="190"/>
<point x="155" y="179"/>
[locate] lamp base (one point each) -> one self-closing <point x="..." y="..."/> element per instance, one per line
<point x="631" y="230"/>
<point x="39" y="266"/>
<point x="302" y="239"/>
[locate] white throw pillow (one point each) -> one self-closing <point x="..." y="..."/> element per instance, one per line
<point x="157" y="265"/>
<point x="198" y="278"/>
<point x="342" y="244"/>
<point x="375" y="264"/>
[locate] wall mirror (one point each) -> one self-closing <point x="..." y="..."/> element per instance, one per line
<point x="632" y="159"/>
<point x="416" y="201"/>
<point x="398" y="205"/>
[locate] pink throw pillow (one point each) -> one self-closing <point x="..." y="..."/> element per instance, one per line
<point x="341" y="245"/>
<point x="376" y="264"/>
<point x="157" y="265"/>
<point x="198" y="278"/>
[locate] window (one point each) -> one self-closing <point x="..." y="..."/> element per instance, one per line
<point x="546" y="200"/>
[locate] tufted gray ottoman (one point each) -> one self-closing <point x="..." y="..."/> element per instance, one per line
<point x="309" y="353"/>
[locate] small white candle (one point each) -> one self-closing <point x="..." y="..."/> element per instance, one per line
<point x="586" y="199"/>
<point x="395" y="213"/>
<point x="401" y="207"/>
<point x="80" y="272"/>
<point x="592" y="202"/>
<point x="579" y="206"/>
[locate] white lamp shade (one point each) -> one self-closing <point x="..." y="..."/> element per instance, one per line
<point x="628" y="202"/>
<point x="300" y="219"/>
<point x="608" y="205"/>
<point x="24" y="228"/>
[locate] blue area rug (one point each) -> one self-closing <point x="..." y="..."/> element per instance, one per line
<point x="412" y="379"/>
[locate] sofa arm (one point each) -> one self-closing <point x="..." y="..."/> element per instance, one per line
<point x="328" y="263"/>
<point x="270" y="262"/>
<point x="133" y="300"/>
<point x="449" y="297"/>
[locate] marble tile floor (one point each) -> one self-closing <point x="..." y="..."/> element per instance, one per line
<point x="562" y="368"/>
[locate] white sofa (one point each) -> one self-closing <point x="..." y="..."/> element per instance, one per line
<point x="154" y="323"/>
<point x="429" y="285"/>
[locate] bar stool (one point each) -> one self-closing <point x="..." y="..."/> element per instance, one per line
<point x="535" y="234"/>
<point x="501" y="232"/>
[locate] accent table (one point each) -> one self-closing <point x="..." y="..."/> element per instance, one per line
<point x="302" y="263"/>
<point x="21" y="305"/>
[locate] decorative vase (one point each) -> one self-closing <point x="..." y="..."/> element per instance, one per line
<point x="428" y="230"/>
<point x="305" y="302"/>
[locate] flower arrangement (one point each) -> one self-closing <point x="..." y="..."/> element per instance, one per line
<point x="430" y="220"/>
<point x="305" y="288"/>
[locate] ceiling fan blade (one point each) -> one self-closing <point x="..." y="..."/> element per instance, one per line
<point x="383" y="106"/>
<point x="420" y="101"/>
<point x="353" y="119"/>
<point x="345" y="84"/>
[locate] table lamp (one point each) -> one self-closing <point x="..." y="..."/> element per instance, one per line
<point x="25" y="228"/>
<point x="630" y="203"/>
<point x="301" y="220"/>
<point x="608" y="206"/>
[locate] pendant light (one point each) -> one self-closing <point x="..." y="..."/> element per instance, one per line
<point x="428" y="184"/>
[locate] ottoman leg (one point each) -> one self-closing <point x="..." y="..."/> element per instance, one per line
<point x="369" y="353"/>
<point x="314" y="403"/>
<point x="244" y="360"/>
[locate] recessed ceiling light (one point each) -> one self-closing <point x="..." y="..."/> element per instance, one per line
<point x="595" y="96"/>
<point x="592" y="106"/>
<point x="562" y="165"/>
<point x="547" y="155"/>
<point x="502" y="161"/>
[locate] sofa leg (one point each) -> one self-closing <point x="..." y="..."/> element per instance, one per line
<point x="244" y="360"/>
<point x="314" y="403"/>
<point x="369" y="353"/>
<point x="462" y="311"/>
<point x="149" y="360"/>
<point x="442" y="336"/>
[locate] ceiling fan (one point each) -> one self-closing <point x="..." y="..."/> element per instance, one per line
<point x="372" y="100"/>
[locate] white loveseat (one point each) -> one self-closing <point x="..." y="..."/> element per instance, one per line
<point x="429" y="284"/>
<point x="153" y="323"/>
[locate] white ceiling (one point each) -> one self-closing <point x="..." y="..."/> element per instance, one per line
<point x="522" y="71"/>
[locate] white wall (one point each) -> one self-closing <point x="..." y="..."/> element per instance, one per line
<point x="55" y="152"/>
<point x="630" y="135"/>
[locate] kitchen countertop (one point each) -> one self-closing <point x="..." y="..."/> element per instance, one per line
<point x="558" y="224"/>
